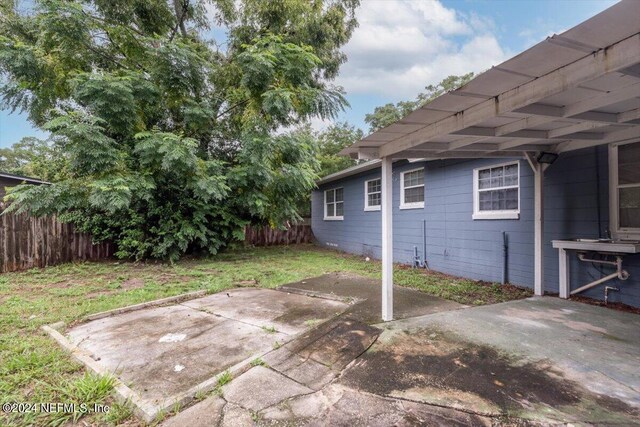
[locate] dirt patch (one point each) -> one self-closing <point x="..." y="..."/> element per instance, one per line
<point x="612" y="305"/>
<point x="442" y="367"/>
<point x="133" y="283"/>
<point x="246" y="284"/>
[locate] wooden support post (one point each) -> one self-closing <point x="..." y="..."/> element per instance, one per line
<point x="564" y="284"/>
<point x="538" y="215"/>
<point x="387" y="239"/>
<point x="538" y="284"/>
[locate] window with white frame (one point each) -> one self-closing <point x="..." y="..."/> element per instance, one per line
<point x="624" y="170"/>
<point x="496" y="192"/>
<point x="372" y="195"/>
<point x="412" y="189"/>
<point x="334" y="204"/>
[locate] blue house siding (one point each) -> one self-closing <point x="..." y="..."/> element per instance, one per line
<point x="459" y="245"/>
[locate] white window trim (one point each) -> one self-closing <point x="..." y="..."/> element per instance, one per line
<point x="334" y="217"/>
<point x="505" y="214"/>
<point x="614" y="210"/>
<point x="414" y="205"/>
<point x="368" y="208"/>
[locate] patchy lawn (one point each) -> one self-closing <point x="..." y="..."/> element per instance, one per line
<point x="34" y="369"/>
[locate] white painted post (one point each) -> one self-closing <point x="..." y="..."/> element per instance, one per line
<point x="387" y="239"/>
<point x="564" y="272"/>
<point x="538" y="263"/>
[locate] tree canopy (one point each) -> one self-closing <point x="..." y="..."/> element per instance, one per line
<point x="34" y="158"/>
<point x="387" y="114"/>
<point x="167" y="139"/>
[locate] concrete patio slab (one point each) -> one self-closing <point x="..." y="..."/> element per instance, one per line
<point x="541" y="359"/>
<point x="260" y="388"/>
<point x="166" y="354"/>
<point x="594" y="345"/>
<point x="207" y="413"/>
<point x="287" y="312"/>
<point x="337" y="405"/>
<point x="367" y="292"/>
<point x="318" y="356"/>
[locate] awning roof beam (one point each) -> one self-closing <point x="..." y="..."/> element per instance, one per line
<point x="620" y="55"/>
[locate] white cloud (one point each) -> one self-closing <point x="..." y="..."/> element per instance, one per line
<point x="402" y="46"/>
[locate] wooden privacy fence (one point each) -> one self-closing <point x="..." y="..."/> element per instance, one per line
<point x="27" y="242"/>
<point x="267" y="236"/>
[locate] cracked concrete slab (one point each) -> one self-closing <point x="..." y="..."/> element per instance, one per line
<point x="406" y="302"/>
<point x="286" y="312"/>
<point x="595" y="346"/>
<point x="135" y="347"/>
<point x="337" y="405"/>
<point x="319" y="355"/>
<point x="235" y="416"/>
<point x="207" y="413"/>
<point x="260" y="388"/>
<point x="165" y="354"/>
<point x="472" y="361"/>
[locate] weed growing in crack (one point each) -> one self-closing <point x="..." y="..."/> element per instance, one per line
<point x="258" y="362"/>
<point x="269" y="329"/>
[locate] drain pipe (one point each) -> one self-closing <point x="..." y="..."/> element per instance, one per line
<point x="424" y="244"/>
<point x="606" y="293"/>
<point x="505" y="256"/>
<point x="416" y="259"/>
<point x="619" y="273"/>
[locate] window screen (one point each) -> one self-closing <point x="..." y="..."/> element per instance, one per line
<point x="498" y="188"/>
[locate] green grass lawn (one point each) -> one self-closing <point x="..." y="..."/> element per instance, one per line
<point x="34" y="369"/>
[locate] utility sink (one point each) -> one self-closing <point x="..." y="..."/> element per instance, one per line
<point x="599" y="245"/>
<point x="606" y="241"/>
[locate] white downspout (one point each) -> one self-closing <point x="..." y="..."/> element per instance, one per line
<point x="538" y="209"/>
<point x="387" y="239"/>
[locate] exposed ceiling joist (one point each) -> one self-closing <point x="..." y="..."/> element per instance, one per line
<point x="415" y="154"/>
<point x="624" y="135"/>
<point x="620" y="55"/>
<point x="438" y="147"/>
<point x="578" y="127"/>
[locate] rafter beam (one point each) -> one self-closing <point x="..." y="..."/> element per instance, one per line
<point x="543" y="134"/>
<point x="578" y="127"/>
<point x="455" y="145"/>
<point x="518" y="143"/>
<point x="627" y="116"/>
<point x="620" y="55"/>
<point x="626" y="134"/>
<point x="437" y="148"/>
<point x="467" y="155"/>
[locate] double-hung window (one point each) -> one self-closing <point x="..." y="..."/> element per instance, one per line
<point x="496" y="192"/>
<point x="412" y="189"/>
<point x="372" y="195"/>
<point x="334" y="204"/>
<point x="624" y="192"/>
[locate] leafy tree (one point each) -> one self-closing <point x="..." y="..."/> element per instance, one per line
<point x="34" y="158"/>
<point x="168" y="140"/>
<point x="387" y="114"/>
<point x="331" y="141"/>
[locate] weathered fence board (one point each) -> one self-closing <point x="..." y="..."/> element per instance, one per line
<point x="267" y="236"/>
<point x="27" y="242"/>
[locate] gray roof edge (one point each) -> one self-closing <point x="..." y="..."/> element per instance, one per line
<point x="353" y="170"/>
<point x="22" y="178"/>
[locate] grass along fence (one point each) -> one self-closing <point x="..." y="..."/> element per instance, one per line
<point x="267" y="236"/>
<point x="27" y="242"/>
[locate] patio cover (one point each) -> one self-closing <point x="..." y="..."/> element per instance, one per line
<point x="574" y="90"/>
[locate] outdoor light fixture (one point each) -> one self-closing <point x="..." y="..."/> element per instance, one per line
<point x="545" y="157"/>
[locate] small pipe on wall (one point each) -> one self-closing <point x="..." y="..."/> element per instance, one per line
<point x="505" y="257"/>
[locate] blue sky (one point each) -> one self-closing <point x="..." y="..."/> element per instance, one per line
<point x="402" y="46"/>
